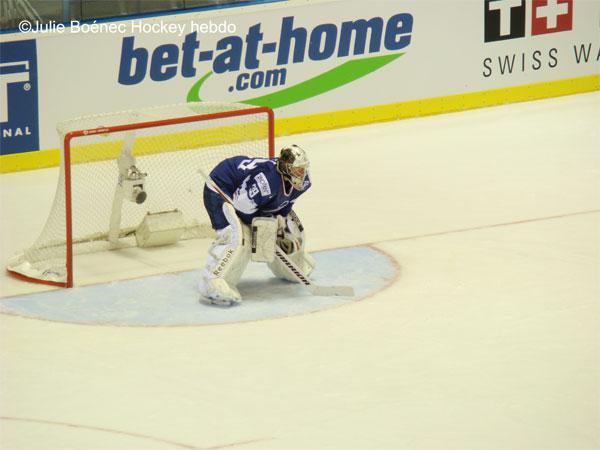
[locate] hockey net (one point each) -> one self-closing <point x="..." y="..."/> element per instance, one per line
<point x="122" y="169"/>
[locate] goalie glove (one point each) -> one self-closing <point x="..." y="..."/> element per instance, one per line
<point x="291" y="241"/>
<point x="289" y="236"/>
<point x="289" y="246"/>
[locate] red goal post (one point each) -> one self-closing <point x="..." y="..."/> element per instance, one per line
<point x="112" y="161"/>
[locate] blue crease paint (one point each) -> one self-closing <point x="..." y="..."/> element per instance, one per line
<point x="172" y="299"/>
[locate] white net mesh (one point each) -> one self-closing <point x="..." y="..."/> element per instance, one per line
<point x="103" y="209"/>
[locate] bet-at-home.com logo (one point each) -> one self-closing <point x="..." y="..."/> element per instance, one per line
<point x="18" y="97"/>
<point x="245" y="57"/>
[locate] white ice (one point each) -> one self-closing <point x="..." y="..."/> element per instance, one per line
<point x="489" y="339"/>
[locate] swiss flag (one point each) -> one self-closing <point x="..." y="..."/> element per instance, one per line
<point x="551" y="16"/>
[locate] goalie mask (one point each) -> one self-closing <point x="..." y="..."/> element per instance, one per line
<point x="293" y="165"/>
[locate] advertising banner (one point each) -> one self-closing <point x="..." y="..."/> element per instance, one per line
<point x="300" y="58"/>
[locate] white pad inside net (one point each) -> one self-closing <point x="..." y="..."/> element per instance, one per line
<point x="105" y="190"/>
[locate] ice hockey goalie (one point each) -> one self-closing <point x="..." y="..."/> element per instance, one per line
<point x="263" y="192"/>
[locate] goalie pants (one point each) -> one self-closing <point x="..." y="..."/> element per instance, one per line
<point x="214" y="206"/>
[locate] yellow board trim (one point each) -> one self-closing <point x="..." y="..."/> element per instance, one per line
<point x="360" y="116"/>
<point x="436" y="105"/>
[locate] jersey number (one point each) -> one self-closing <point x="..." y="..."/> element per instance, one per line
<point x="249" y="164"/>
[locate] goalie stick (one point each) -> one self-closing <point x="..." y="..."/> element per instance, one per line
<point x="325" y="291"/>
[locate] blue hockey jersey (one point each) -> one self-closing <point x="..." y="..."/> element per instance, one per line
<point x="255" y="187"/>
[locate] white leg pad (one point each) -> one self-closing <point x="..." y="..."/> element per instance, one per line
<point x="227" y="259"/>
<point x="217" y="291"/>
<point x="303" y="261"/>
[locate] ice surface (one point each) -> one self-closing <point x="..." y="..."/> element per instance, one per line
<point x="489" y="339"/>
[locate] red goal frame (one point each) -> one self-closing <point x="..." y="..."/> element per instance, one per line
<point x="135" y="126"/>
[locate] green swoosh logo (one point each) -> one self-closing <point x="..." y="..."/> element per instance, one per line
<point x="327" y="81"/>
